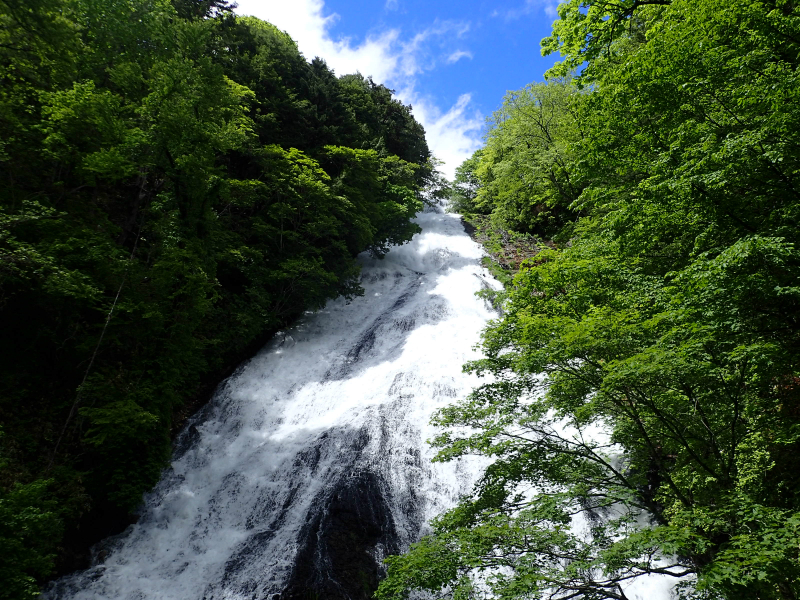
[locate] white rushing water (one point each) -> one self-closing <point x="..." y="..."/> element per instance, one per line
<point x="311" y="463"/>
<point x="329" y="418"/>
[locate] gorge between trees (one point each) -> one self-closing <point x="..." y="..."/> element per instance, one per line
<point x="599" y="401"/>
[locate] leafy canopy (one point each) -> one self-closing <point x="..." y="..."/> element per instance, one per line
<point x="641" y="404"/>
<point x="178" y="184"/>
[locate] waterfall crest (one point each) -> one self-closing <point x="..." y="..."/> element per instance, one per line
<point x="311" y="463"/>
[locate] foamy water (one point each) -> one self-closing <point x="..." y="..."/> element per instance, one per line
<point x="348" y="390"/>
<point x="340" y="401"/>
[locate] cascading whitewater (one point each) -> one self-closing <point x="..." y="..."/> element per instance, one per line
<point x="311" y="462"/>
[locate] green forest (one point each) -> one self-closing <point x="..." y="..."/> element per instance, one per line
<point x="642" y="206"/>
<point x="177" y="184"/>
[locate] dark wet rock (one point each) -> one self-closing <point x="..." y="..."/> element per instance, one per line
<point x="343" y="542"/>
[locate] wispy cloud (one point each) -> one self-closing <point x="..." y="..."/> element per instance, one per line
<point x="390" y="58"/>
<point x="453" y="135"/>
<point x="458" y="55"/>
<point x="306" y="22"/>
<point x="391" y="4"/>
<point x="419" y="53"/>
<point x="548" y="7"/>
<point x="551" y="9"/>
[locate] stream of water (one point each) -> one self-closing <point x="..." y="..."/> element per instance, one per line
<point x="310" y="464"/>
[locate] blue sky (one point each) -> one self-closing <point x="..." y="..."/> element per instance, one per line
<point x="451" y="60"/>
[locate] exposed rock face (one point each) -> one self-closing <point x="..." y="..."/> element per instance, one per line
<point x="344" y="542"/>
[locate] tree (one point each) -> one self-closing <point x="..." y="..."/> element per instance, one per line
<point x="466" y="185"/>
<point x="645" y="376"/>
<point x="525" y="176"/>
<point x="178" y="183"/>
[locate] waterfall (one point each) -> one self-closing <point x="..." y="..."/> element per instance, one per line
<point x="311" y="464"/>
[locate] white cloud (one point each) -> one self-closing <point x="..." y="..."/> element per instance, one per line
<point x="391" y="5"/>
<point x="458" y="55"/>
<point x="390" y="59"/>
<point x="548" y="7"/>
<point x="305" y="21"/>
<point x="452" y="135"/>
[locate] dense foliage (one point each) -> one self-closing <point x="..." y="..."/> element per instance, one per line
<point x="177" y="183"/>
<point x="643" y="408"/>
<point x="521" y="177"/>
